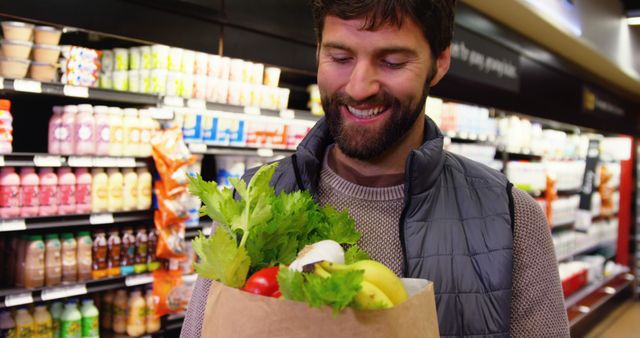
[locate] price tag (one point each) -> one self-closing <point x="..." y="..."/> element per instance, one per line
<point x="584" y="309"/>
<point x="64" y="292"/>
<point x="252" y="110"/>
<point x="265" y="152"/>
<point x="173" y="101"/>
<point x="47" y="161"/>
<point x="198" y="147"/>
<point x="28" y="86"/>
<point x="1" y="158"/>
<point x="105" y="162"/>
<point x="76" y="91"/>
<point x="1" y="83"/>
<point x="197" y="104"/>
<point x="80" y="161"/>
<point x="19" y="299"/>
<point x="190" y="278"/>
<point x="138" y="280"/>
<point x="12" y="225"/>
<point x="609" y="290"/>
<point x="101" y="219"/>
<point x="126" y="162"/>
<point x="288" y="114"/>
<point x="162" y="114"/>
<point x="207" y="230"/>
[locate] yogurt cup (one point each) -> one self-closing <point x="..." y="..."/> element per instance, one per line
<point x="225" y="68"/>
<point x="159" y="57"/>
<point x="145" y="81"/>
<point x="236" y="70"/>
<point x="257" y="74"/>
<point x="247" y="71"/>
<point x="46" y="53"/>
<point x="174" y="84"/>
<point x="222" y="91"/>
<point x="175" y="58"/>
<point x="212" y="84"/>
<point x="134" y="81"/>
<point x="214" y="66"/>
<point x="235" y="93"/>
<point x="188" y="62"/>
<point x="121" y="59"/>
<point x="187" y="86"/>
<point x="200" y="87"/>
<point x="43" y="71"/>
<point x="246" y="95"/>
<point x="16" y="30"/>
<point x="47" y="35"/>
<point x="135" y="58"/>
<point x="121" y="80"/>
<point x="201" y="64"/>
<point x="16" y="49"/>
<point x="145" y="57"/>
<point x="106" y="80"/>
<point x="283" y="98"/>
<point x="13" y="68"/>
<point x="271" y="76"/>
<point x="158" y="81"/>
<point x="108" y="61"/>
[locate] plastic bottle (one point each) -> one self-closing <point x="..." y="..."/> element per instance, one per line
<point x="102" y="134"/>
<point x="114" y="244"/>
<point x="43" y="323"/>
<point x="83" y="191"/>
<point x="85" y="248"/>
<point x="99" y="191"/>
<point x="153" y="321"/>
<point x="106" y="309"/>
<point x="116" y="182"/>
<point x="34" y="262"/>
<point x="24" y="323"/>
<point x="6" y="127"/>
<point x="55" y="125"/>
<point x="9" y="193"/>
<point x="130" y="191"/>
<point x="7" y="325"/>
<point x="90" y="319"/>
<point x="71" y="321"/>
<point x="120" y="301"/>
<point x="30" y="184"/>
<point x="100" y="256"/>
<point x="131" y="130"/>
<point x="67" y="190"/>
<point x="147" y="127"/>
<point x="66" y="133"/>
<point x="48" y="192"/>
<point x="128" y="252"/>
<point x="142" y="246"/>
<point x="69" y="259"/>
<point x="144" y="189"/>
<point x="56" y="309"/>
<point x="21" y="251"/>
<point x="85" y="126"/>
<point x="53" y="260"/>
<point x="136" y="317"/>
<point x="152" y="260"/>
<point x="116" y="140"/>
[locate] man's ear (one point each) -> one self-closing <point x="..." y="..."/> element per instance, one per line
<point x="442" y="66"/>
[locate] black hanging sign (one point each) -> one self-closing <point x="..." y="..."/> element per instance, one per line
<point x="583" y="215"/>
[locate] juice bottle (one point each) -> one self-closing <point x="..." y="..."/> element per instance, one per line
<point x="53" y="260"/>
<point x="69" y="259"/>
<point x="114" y="244"/>
<point x="21" y="251"/>
<point x="119" y="324"/>
<point x="43" y="323"/>
<point x="152" y="260"/>
<point x="67" y="190"/>
<point x="85" y="126"/>
<point x="34" y="262"/>
<point x="140" y="265"/>
<point x="127" y="258"/>
<point x="83" y="191"/>
<point x="102" y="133"/>
<point x="116" y="182"/>
<point x="66" y="133"/>
<point x="99" y="191"/>
<point x="131" y="131"/>
<point x="90" y="319"/>
<point x="56" y="309"/>
<point x="116" y="140"/>
<point x="130" y="191"/>
<point x="7" y="325"/>
<point x="6" y="127"/>
<point x="136" y="318"/>
<point x="153" y="321"/>
<point x="147" y="126"/>
<point x="106" y="310"/>
<point x="71" y="321"/>
<point x="100" y="256"/>
<point x="85" y="248"/>
<point x="48" y="199"/>
<point x="29" y="183"/>
<point x="9" y="193"/>
<point x="24" y="323"/>
<point x="55" y="125"/>
<point x="144" y="189"/>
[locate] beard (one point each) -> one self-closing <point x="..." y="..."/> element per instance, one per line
<point x="367" y="143"/>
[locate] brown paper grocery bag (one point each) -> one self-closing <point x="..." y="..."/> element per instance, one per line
<point x="232" y="313"/>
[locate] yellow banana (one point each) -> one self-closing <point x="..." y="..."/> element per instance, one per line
<point x="377" y="274"/>
<point x="371" y="298"/>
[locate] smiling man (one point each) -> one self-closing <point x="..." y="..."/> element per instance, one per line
<point x="423" y="212"/>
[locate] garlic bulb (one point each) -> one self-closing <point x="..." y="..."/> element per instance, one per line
<point x="327" y="250"/>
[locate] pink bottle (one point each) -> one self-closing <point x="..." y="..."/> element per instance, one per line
<point x="67" y="189"/>
<point x="83" y="191"/>
<point x="85" y="129"/>
<point x="103" y="131"/>
<point x="9" y="193"/>
<point x="67" y="136"/>
<point x="30" y="184"/>
<point x="48" y="192"/>
<point x="55" y="130"/>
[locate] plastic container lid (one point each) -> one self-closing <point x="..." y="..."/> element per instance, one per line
<point x="35" y="237"/>
<point x="47" y="28"/>
<point x="17" y="24"/>
<point x="85" y="108"/>
<point x="17" y="42"/>
<point x="58" y="109"/>
<point x="51" y="236"/>
<point x="46" y="47"/>
<point x="71" y="109"/>
<point x="101" y="109"/>
<point x="67" y="235"/>
<point x="84" y="233"/>
<point x="5" y="104"/>
<point x="131" y="112"/>
<point x="115" y="111"/>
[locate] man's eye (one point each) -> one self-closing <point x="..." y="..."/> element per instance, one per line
<point x="340" y="59"/>
<point x="393" y="65"/>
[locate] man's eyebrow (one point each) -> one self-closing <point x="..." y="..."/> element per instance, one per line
<point x="336" y="45"/>
<point x="382" y="51"/>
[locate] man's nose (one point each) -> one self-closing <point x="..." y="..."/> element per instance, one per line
<point x="363" y="82"/>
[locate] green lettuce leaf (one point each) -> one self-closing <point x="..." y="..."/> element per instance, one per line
<point x="221" y="259"/>
<point x="354" y="254"/>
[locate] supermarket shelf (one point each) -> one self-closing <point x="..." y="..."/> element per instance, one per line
<point x="201" y="148"/>
<point x="48" y="160"/>
<point x="587" y="290"/>
<point x="513" y="156"/>
<point x="586" y="249"/>
<point x="457" y="136"/>
<point x="63" y="221"/>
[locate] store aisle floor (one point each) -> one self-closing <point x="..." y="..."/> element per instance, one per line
<point x="621" y="323"/>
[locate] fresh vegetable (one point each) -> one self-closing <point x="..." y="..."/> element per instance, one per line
<point x="264" y="282"/>
<point x="326" y="250"/>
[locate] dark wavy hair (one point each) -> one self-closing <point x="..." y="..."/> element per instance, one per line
<point x="434" y="17"/>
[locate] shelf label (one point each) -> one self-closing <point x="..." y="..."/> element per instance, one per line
<point x="76" y="91"/>
<point x="287" y="114"/>
<point x="101" y="219"/>
<point x="47" y="161"/>
<point x="12" y="225"/>
<point x="252" y="110"/>
<point x="19" y="299"/>
<point x="28" y="86"/>
<point x="265" y="152"/>
<point x="173" y="101"/>
<point x="138" y="280"/>
<point x="162" y="114"/>
<point x="64" y="292"/>
<point x="105" y="162"/>
<point x="1" y="83"/>
<point x="197" y="104"/>
<point x="609" y="290"/>
<point x="80" y="161"/>
<point x="190" y="278"/>
<point x="584" y="309"/>
<point x="126" y="162"/>
<point x="197" y="147"/>
<point x="1" y="158"/>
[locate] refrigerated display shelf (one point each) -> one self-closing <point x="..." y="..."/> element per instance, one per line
<point x="457" y="136"/>
<point x="171" y="325"/>
<point x="586" y="249"/>
<point x="205" y="149"/>
<point x="64" y="221"/>
<point x="52" y="161"/>
<point x="517" y="156"/>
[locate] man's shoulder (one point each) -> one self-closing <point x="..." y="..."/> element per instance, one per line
<point x="528" y="211"/>
<point x="473" y="169"/>
<point x="283" y="177"/>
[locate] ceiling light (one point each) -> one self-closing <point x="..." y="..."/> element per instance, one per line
<point x="633" y="21"/>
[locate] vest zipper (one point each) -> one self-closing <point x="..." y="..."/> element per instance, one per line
<point x="407" y="198"/>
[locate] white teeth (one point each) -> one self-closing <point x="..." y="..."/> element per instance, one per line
<point x="364" y="113"/>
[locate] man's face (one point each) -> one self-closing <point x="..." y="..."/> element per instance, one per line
<point x="373" y="83"/>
